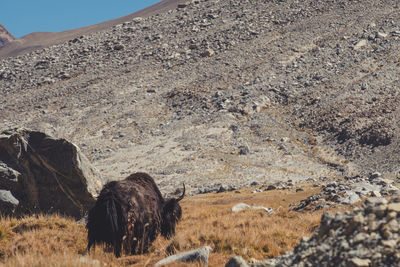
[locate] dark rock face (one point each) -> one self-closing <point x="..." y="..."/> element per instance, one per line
<point x="41" y="174"/>
<point x="5" y="36"/>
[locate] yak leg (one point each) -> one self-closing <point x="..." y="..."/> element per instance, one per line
<point x="146" y="246"/>
<point x="148" y="239"/>
<point x="137" y="239"/>
<point x="117" y="249"/>
<point x="144" y="242"/>
<point x="90" y="243"/>
<point x="134" y="245"/>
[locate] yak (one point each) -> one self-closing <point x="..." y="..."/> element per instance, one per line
<point x="129" y="214"/>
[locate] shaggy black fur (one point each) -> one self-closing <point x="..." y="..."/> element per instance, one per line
<point x="129" y="214"/>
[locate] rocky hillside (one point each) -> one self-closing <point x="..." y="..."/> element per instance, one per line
<point x="40" y="40"/>
<point x="5" y="36"/>
<point x="223" y="92"/>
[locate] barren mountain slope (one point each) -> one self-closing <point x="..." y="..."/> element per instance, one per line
<point x="5" y="36"/>
<point x="40" y="40"/>
<point x="222" y="92"/>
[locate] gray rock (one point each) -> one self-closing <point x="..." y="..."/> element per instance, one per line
<point x="375" y="175"/>
<point x="199" y="255"/>
<point x="350" y="197"/>
<point x="8" y="177"/>
<point x="360" y="237"/>
<point x="119" y="47"/>
<point x="240" y="207"/>
<point x="244" y="206"/>
<point x="87" y="261"/>
<point x="389" y="243"/>
<point x="357" y="262"/>
<point x="350" y="192"/>
<point x="207" y="53"/>
<point x="271" y="187"/>
<point x="381" y="35"/>
<point x="394" y="207"/>
<point x="376" y="193"/>
<point x="267" y="210"/>
<point x="8" y="203"/>
<point x="360" y="44"/>
<point x="6" y="196"/>
<point x="236" y="261"/>
<point x="183" y="4"/>
<point x="374" y="201"/>
<point x="243" y="150"/>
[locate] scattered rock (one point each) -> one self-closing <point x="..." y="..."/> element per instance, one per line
<point x="119" y="47"/>
<point x="348" y="192"/>
<point x="394" y="207"/>
<point x="207" y="53"/>
<point x="357" y="262"/>
<point x="375" y="175"/>
<point x="271" y="187"/>
<point x="8" y="176"/>
<point x="381" y="35"/>
<point x="360" y="44"/>
<point x="8" y="203"/>
<point x="244" y="206"/>
<point x="240" y="207"/>
<point x="87" y="261"/>
<point x="244" y="150"/>
<point x="198" y="255"/>
<point x="223" y="188"/>
<point x="183" y="4"/>
<point x="278" y="186"/>
<point x="267" y="210"/>
<point x="236" y="261"/>
<point x="64" y="75"/>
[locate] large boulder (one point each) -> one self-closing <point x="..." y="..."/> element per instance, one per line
<point x="42" y="174"/>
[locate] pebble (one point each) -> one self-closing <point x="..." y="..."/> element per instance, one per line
<point x="207" y="53"/>
<point x="360" y="44"/>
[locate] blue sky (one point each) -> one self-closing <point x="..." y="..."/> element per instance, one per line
<point x="21" y="17"/>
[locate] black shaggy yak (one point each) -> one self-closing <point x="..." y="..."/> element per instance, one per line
<point x="129" y="214"/>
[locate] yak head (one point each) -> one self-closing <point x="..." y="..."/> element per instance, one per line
<point x="171" y="213"/>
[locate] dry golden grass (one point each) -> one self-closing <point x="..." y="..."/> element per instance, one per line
<point x="207" y="220"/>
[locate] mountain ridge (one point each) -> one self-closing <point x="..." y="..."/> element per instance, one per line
<point x="5" y="36"/>
<point x="40" y="40"/>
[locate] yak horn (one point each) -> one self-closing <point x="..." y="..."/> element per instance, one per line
<point x="183" y="194"/>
